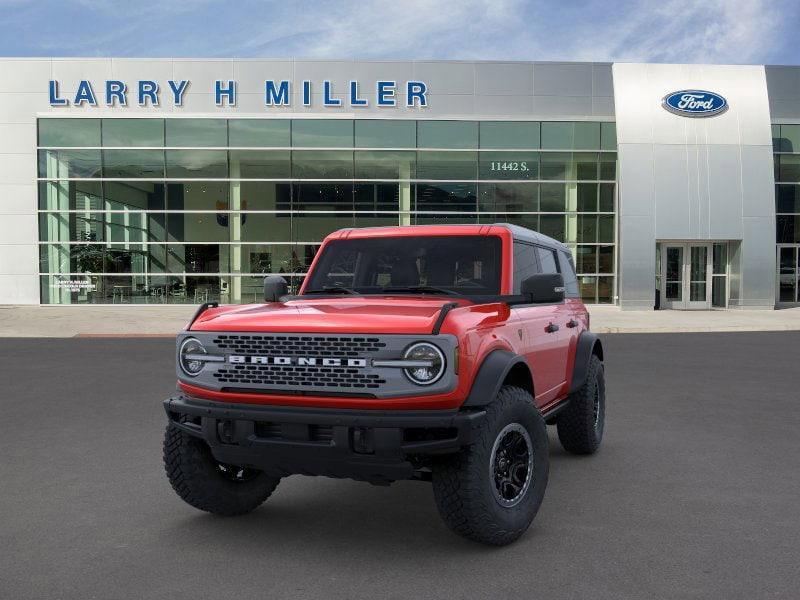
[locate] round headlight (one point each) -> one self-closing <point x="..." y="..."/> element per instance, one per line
<point x="427" y="353"/>
<point x="190" y="356"/>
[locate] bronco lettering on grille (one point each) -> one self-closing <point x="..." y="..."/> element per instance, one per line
<point x="300" y="361"/>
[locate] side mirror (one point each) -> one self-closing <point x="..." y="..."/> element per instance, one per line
<point x="544" y="288"/>
<point x="275" y="287"/>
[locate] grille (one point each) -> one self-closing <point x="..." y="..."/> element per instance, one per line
<point x="283" y="345"/>
<point x="312" y="433"/>
<point x="293" y="376"/>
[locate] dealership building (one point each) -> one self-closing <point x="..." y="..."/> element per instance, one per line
<point x="160" y="181"/>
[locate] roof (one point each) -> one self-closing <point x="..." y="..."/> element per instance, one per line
<point x="517" y="232"/>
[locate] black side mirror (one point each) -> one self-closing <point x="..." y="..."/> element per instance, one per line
<point x="275" y="287"/>
<point x="544" y="288"/>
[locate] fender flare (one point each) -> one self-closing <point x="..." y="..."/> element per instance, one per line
<point x="491" y="375"/>
<point x="588" y="344"/>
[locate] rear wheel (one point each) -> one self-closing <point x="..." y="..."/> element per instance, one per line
<point x="491" y="491"/>
<point x="580" y="425"/>
<point x="205" y="483"/>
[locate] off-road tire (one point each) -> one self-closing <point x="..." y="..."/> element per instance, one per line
<point x="200" y="481"/>
<point x="580" y="429"/>
<point x="464" y="483"/>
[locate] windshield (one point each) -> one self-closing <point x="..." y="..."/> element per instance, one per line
<point x="451" y="265"/>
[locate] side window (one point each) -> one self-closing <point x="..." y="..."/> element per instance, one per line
<point x="547" y="259"/>
<point x="525" y="264"/>
<point x="568" y="270"/>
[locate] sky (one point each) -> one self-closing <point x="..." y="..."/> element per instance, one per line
<point x="680" y="31"/>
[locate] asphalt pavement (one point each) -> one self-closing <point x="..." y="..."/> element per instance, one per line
<point x="694" y="494"/>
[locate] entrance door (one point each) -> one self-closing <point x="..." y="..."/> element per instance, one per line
<point x="686" y="275"/>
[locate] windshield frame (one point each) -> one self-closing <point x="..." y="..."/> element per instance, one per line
<point x="419" y="289"/>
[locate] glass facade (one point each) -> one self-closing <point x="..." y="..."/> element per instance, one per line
<point x="192" y="210"/>
<point x="786" y="148"/>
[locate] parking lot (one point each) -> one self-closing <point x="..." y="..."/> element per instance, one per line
<point x="694" y="493"/>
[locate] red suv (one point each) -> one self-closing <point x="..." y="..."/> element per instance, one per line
<point x="436" y="353"/>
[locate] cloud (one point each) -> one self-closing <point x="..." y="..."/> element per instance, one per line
<point x="714" y="31"/>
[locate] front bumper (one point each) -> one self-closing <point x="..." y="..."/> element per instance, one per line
<point x="375" y="446"/>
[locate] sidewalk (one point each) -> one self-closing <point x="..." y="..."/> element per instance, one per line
<point x="144" y="321"/>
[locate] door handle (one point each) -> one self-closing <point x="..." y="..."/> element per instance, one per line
<point x="572" y="323"/>
<point x="551" y="328"/>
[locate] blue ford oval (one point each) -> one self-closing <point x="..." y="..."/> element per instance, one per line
<point x="695" y="103"/>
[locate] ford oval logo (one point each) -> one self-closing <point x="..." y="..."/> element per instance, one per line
<point x="695" y="103"/>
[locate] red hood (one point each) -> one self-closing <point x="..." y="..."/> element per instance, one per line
<point x="387" y="314"/>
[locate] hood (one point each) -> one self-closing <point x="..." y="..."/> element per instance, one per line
<point x="386" y="314"/>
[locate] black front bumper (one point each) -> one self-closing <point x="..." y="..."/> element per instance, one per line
<point x="376" y="446"/>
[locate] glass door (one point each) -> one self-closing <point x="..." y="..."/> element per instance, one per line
<point x="787" y="274"/>
<point x="686" y="275"/>
<point x="672" y="263"/>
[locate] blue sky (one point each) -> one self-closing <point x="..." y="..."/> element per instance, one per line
<point x="713" y="31"/>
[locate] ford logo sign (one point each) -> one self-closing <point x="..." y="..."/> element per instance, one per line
<point x="695" y="103"/>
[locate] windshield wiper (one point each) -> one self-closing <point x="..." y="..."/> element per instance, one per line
<point x="420" y="289"/>
<point x="334" y="289"/>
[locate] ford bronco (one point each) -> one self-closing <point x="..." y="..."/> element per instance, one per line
<point x="436" y="353"/>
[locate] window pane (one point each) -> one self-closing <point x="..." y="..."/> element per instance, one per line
<point x="509" y="165"/>
<point x="197" y="163"/>
<point x="605" y="259"/>
<point x="197" y="132"/>
<point x="525" y="264"/>
<point x="444" y="219"/>
<point x="608" y="136"/>
<point x="790" y="138"/>
<point x="557" y="135"/>
<point x="322" y="164"/>
<point x="266" y="227"/>
<point x="547" y="260"/>
<point x="606" y="197"/>
<point x="509" y="134"/>
<point x="134" y="195"/>
<point x="605" y="290"/>
<point x="788" y="229"/>
<point x="198" y="227"/>
<point x="78" y="227"/>
<point x="447" y="165"/>
<point x="260" y="164"/>
<point x="322" y="133"/>
<point x="587" y="259"/>
<point x="585" y="165"/>
<point x="380" y="197"/>
<point x="62" y="164"/>
<point x="70" y="195"/>
<point x="69" y="132"/>
<point x="198" y="258"/>
<point x="553" y="197"/>
<point x="509" y="197"/>
<point x="328" y="197"/>
<point x="133" y="132"/>
<point x="314" y="227"/>
<point x="587" y="136"/>
<point x="608" y="166"/>
<point x="272" y="133"/>
<point x="554" y="226"/>
<point x="606" y="228"/>
<point x="133" y="163"/>
<point x="789" y="170"/>
<point x="587" y="229"/>
<point x="556" y="165"/>
<point x="720" y="262"/>
<point x="587" y="197"/>
<point x="588" y="287"/>
<point x="198" y="195"/>
<point x="264" y="195"/>
<point x="456" y="197"/>
<point x="787" y="198"/>
<point x="385" y="165"/>
<point x="379" y="133"/>
<point x="447" y="134"/>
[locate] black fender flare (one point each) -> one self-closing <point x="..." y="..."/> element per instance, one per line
<point x="588" y="344"/>
<point x="491" y="375"/>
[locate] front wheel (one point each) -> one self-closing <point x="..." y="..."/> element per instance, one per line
<point x="205" y="483"/>
<point x="491" y="491"/>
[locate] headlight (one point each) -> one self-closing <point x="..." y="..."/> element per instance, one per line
<point x="191" y="356"/>
<point x="431" y="356"/>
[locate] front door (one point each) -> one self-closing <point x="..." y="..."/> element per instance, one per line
<point x="686" y="275"/>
